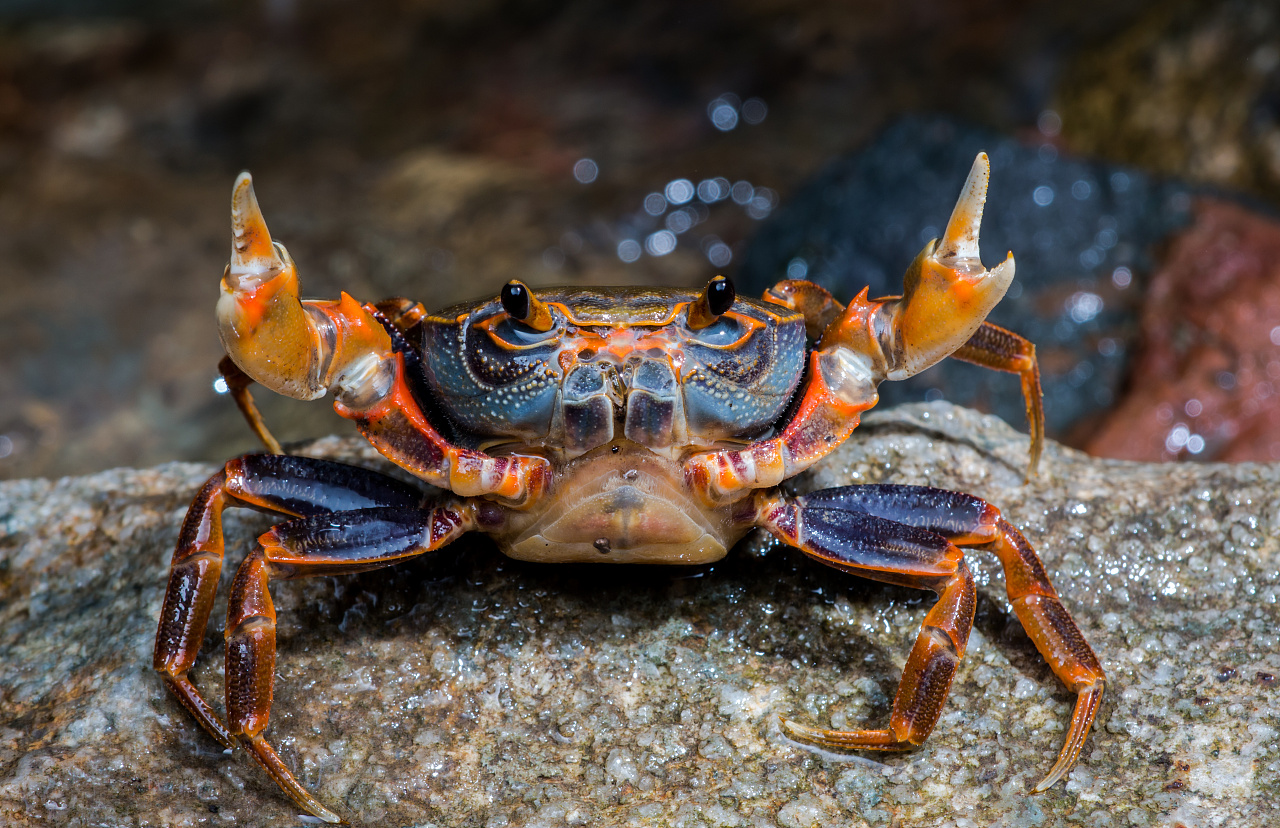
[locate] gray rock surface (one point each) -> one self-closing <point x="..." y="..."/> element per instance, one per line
<point x="470" y="690"/>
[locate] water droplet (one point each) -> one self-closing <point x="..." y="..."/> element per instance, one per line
<point x="1049" y="123"/>
<point x="1042" y="195"/>
<point x="679" y="191"/>
<point x="585" y="170"/>
<point x="655" y="204"/>
<point x="723" y="112"/>
<point x="660" y="243"/>
<point x="711" y="190"/>
<point x="1084" y="306"/>
<point x="628" y="250"/>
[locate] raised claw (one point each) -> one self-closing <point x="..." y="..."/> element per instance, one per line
<point x="946" y="297"/>
<point x="947" y="293"/>
<point x="299" y="349"/>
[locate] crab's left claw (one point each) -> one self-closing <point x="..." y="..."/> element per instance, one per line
<point x="947" y="293"/>
<point x="300" y="349"/>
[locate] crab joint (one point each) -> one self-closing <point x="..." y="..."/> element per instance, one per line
<point x="299" y="349"/>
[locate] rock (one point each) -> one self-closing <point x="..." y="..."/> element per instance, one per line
<point x="470" y="690"/>
<point x="1082" y="233"/>
<point x="1206" y="381"/>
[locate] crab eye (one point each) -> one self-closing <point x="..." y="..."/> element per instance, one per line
<point x="720" y="295"/>
<point x="521" y="305"/>
<point x="714" y="301"/>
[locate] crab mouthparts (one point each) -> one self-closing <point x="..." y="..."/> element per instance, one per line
<point x="624" y="506"/>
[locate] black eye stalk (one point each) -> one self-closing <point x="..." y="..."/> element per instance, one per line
<point x="714" y="301"/>
<point x="521" y="305"/>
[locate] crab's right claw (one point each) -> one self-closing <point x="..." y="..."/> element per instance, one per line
<point x="947" y="293"/>
<point x="299" y="349"/>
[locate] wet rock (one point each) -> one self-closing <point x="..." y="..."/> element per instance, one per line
<point x="469" y="690"/>
<point x="1206" y="381"/>
<point x="1082" y="233"/>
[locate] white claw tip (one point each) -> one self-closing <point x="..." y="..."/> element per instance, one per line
<point x="253" y="256"/>
<point x="960" y="241"/>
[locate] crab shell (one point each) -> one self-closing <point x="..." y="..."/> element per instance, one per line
<point x="621" y="363"/>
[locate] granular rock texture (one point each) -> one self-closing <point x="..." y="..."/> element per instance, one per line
<point x="469" y="690"/>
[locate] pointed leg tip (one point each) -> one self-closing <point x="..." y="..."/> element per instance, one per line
<point x="1055" y="776"/>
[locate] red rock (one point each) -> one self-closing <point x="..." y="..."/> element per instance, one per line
<point x="1205" y="383"/>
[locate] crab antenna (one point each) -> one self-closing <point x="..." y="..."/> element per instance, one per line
<point x="254" y="258"/>
<point x="960" y="241"/>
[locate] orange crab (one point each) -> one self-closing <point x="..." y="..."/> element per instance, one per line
<point x="617" y="425"/>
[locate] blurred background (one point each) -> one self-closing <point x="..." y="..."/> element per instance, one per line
<point x="436" y="149"/>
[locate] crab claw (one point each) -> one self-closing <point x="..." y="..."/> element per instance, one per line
<point x="947" y="293"/>
<point x="299" y="349"/>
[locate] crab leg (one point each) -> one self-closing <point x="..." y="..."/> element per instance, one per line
<point x="899" y="534"/>
<point x="293" y="486"/>
<point x="855" y="541"/>
<point x="343" y="542"/>
<point x="946" y="296"/>
<point x="994" y="347"/>
<point x="238" y="383"/>
<point x="305" y="349"/>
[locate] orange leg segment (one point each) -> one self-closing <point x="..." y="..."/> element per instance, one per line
<point x="992" y="346"/>
<point x="238" y="383"/>
<point x="343" y="542"/>
<point x="908" y="535"/>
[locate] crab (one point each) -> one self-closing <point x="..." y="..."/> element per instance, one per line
<point x="620" y="425"/>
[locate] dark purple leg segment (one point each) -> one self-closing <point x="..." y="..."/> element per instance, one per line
<point x="830" y="527"/>
<point x="959" y="517"/>
<point x="301" y="486"/>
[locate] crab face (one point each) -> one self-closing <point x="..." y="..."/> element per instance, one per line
<point x="613" y="364"/>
